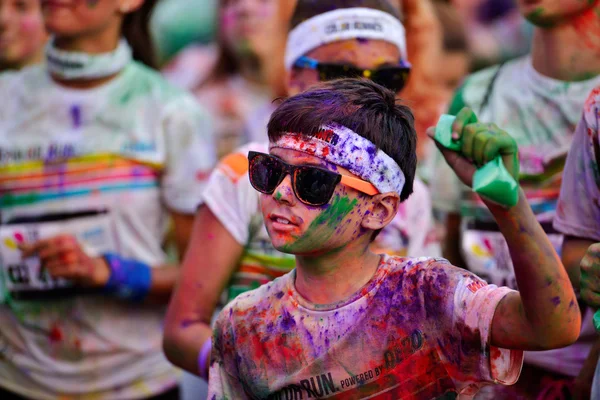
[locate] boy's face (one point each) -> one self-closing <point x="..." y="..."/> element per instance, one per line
<point x="364" y="54"/>
<point x="546" y="13"/>
<point x="313" y="230"/>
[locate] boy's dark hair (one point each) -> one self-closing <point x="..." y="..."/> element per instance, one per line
<point x="306" y="9"/>
<point x="367" y="108"/>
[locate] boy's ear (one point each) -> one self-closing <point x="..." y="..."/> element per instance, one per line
<point x="385" y="206"/>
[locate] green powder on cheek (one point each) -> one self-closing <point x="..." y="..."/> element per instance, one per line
<point x="329" y="218"/>
<point x="536" y="17"/>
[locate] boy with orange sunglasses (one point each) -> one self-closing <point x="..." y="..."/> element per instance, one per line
<point x="349" y="323"/>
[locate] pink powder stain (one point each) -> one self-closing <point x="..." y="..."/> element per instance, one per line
<point x="19" y="237"/>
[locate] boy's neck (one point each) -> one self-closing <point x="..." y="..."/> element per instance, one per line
<point x="569" y="51"/>
<point x="334" y="277"/>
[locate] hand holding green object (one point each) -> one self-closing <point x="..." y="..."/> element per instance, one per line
<point x="492" y="150"/>
<point x="590" y="280"/>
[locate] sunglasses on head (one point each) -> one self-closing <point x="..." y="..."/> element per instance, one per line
<point x="391" y="77"/>
<point x="312" y="185"/>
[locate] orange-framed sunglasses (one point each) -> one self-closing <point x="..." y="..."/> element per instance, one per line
<point x="312" y="185"/>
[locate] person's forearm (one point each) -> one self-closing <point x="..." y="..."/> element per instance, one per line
<point x="164" y="279"/>
<point x="183" y="345"/>
<point x="451" y="244"/>
<point x="548" y="299"/>
<point x="133" y="280"/>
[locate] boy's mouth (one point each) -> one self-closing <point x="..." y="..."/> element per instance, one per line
<point x="282" y="223"/>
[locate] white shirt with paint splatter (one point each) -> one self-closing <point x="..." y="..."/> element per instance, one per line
<point x="578" y="212"/>
<point x="132" y="149"/>
<point x="419" y="329"/>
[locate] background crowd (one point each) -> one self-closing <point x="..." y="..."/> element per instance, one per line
<point x="152" y="139"/>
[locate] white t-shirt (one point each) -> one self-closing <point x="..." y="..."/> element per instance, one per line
<point x="235" y="203"/>
<point x="541" y="114"/>
<point x="419" y="329"/>
<point x="578" y="212"/>
<point x="132" y="149"/>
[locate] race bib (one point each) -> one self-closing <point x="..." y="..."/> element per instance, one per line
<point x="18" y="275"/>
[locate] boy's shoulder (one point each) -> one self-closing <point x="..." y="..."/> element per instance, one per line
<point x="428" y="274"/>
<point x="255" y="302"/>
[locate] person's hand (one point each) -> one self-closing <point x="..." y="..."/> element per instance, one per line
<point x="63" y="257"/>
<point x="590" y="276"/>
<point x="480" y="144"/>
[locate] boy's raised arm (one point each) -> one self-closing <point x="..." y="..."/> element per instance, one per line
<point x="544" y="314"/>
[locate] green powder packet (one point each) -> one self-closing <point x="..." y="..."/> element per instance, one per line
<point x="493" y="179"/>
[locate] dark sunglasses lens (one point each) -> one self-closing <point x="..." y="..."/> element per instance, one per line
<point x="265" y="173"/>
<point x="392" y="78"/>
<point x="315" y="186"/>
<point x="329" y="72"/>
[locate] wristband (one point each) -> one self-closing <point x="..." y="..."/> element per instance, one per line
<point x="129" y="279"/>
<point x="202" y="364"/>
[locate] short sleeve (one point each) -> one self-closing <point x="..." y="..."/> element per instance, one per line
<point x="230" y="196"/>
<point x="469" y="356"/>
<point x="578" y="211"/>
<point x="224" y="381"/>
<point x="190" y="154"/>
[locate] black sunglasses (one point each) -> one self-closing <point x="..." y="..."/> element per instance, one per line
<point x="391" y="77"/>
<point x="312" y="185"/>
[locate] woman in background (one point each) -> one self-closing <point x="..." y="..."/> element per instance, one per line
<point x="97" y="154"/>
<point x="22" y="33"/>
<point x="239" y="83"/>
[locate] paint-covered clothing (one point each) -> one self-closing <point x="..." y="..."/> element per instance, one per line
<point x="578" y="212"/>
<point x="118" y="157"/>
<point x="235" y="203"/>
<point x="419" y="329"/>
<point x="541" y="114"/>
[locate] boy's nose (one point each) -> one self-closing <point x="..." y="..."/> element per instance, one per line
<point x="284" y="193"/>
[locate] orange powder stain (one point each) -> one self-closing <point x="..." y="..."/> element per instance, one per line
<point x="587" y="27"/>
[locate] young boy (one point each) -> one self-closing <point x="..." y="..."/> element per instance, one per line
<point x="348" y="323"/>
<point x="231" y="251"/>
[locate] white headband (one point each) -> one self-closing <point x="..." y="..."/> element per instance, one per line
<point x="345" y="148"/>
<point x="343" y="24"/>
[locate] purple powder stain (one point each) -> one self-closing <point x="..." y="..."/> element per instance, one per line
<point x="362" y="40"/>
<point x="76" y="116"/>
<point x="279" y="295"/>
<point x="555" y="301"/>
<point x="186" y="323"/>
<point x="287" y="321"/>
